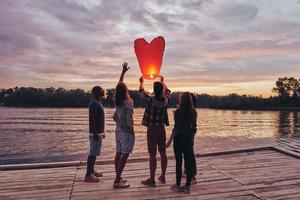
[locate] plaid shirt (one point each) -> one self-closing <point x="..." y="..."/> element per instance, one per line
<point x="156" y="111"/>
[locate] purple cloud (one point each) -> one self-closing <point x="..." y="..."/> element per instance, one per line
<point x="79" y="43"/>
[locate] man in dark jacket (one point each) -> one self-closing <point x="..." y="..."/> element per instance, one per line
<point x="96" y="133"/>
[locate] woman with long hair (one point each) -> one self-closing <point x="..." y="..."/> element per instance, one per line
<point x="185" y="127"/>
<point x="194" y="164"/>
<point x="124" y="135"/>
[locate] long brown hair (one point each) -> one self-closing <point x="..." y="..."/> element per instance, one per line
<point x="187" y="108"/>
<point x="121" y="94"/>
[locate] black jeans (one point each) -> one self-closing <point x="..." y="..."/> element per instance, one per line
<point x="194" y="164"/>
<point x="183" y="145"/>
<point x="91" y="160"/>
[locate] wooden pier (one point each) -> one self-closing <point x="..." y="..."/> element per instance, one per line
<point x="261" y="173"/>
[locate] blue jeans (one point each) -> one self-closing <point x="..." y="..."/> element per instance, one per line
<point x="95" y="146"/>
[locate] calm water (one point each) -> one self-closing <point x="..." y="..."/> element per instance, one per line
<point x="29" y="135"/>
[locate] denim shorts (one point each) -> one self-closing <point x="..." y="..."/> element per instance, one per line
<point x="95" y="146"/>
<point x="124" y="142"/>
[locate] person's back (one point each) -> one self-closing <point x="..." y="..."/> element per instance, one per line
<point x="185" y="122"/>
<point x="155" y="118"/>
<point x="185" y="118"/>
<point x="156" y="112"/>
<point x="123" y="117"/>
<point x="124" y="134"/>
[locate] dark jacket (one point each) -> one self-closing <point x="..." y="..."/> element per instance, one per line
<point x="182" y="126"/>
<point x="96" y="117"/>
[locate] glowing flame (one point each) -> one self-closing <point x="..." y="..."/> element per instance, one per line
<point x="152" y="72"/>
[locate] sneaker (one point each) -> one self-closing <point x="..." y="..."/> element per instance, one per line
<point x="193" y="181"/>
<point x="98" y="174"/>
<point x="186" y="190"/>
<point x="162" y="180"/>
<point x="148" y="182"/>
<point x="176" y="188"/>
<point x="91" y="179"/>
<point x="121" y="184"/>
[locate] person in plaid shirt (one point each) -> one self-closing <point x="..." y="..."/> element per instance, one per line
<point x="155" y="119"/>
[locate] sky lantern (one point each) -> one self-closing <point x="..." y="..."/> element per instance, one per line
<point x="150" y="56"/>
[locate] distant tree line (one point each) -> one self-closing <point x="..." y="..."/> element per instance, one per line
<point x="287" y="90"/>
<point x="48" y="97"/>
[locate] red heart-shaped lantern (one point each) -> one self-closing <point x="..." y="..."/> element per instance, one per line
<point x="150" y="56"/>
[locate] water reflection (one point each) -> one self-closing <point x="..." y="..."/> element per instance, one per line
<point x="288" y="124"/>
<point x="44" y="135"/>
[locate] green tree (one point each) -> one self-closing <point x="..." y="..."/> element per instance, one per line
<point x="294" y="85"/>
<point x="282" y="88"/>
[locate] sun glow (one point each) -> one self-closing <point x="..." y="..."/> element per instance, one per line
<point x="151" y="72"/>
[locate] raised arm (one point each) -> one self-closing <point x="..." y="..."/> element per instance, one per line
<point x="143" y="94"/>
<point x="124" y="70"/>
<point x="141" y="88"/>
<point x="167" y="92"/>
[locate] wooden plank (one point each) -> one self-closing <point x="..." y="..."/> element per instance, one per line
<point x="242" y="175"/>
<point x="55" y="183"/>
<point x="135" y="178"/>
<point x="39" y="165"/>
<point x="51" y="194"/>
<point x="262" y="161"/>
<point x="168" y="194"/>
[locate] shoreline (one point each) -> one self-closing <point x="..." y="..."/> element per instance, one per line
<point x="290" y="109"/>
<point x="267" y="108"/>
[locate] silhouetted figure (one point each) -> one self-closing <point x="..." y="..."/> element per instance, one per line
<point x="124" y="135"/>
<point x="194" y="164"/>
<point x="96" y="133"/>
<point x="185" y="127"/>
<point x="155" y="118"/>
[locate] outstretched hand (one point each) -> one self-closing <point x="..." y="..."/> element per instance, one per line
<point x="125" y="67"/>
<point x="161" y="78"/>
<point x="141" y="79"/>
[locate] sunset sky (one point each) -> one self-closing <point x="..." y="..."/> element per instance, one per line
<point x="215" y="47"/>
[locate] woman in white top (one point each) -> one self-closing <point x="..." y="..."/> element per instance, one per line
<point x="125" y="138"/>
